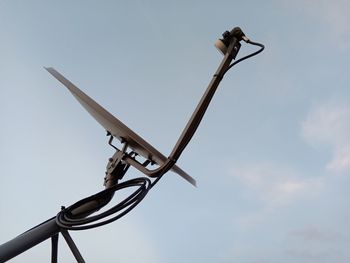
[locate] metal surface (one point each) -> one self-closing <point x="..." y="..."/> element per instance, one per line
<point x="201" y="108"/>
<point x="72" y="246"/>
<point x="117" y="128"/>
<point x="54" y="248"/>
<point x="28" y="239"/>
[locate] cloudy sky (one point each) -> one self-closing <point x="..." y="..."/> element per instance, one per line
<point x="271" y="157"/>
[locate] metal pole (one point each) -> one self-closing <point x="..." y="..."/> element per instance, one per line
<point x="46" y="230"/>
<point x="28" y="239"/>
<point x="72" y="246"/>
<point x="202" y="106"/>
<point x="54" y="248"/>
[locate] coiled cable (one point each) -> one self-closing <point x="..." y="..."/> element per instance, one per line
<point x="66" y="219"/>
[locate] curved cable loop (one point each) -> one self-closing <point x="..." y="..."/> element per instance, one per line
<point x="262" y="47"/>
<point x="66" y="220"/>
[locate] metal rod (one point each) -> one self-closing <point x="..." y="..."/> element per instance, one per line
<point x="203" y="104"/>
<point x="28" y="239"/>
<point x="72" y="246"/>
<point x="54" y="248"/>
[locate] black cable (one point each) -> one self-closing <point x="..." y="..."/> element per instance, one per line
<point x="66" y="220"/>
<point x="262" y="47"/>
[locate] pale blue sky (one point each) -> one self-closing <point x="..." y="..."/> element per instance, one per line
<point x="271" y="157"/>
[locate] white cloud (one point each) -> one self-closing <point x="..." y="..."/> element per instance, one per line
<point x="312" y="239"/>
<point x="306" y="255"/>
<point x="329" y="124"/>
<point x="273" y="184"/>
<point x="341" y="160"/>
<point x="314" y="233"/>
<point x="334" y="15"/>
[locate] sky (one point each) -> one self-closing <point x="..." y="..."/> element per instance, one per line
<point x="271" y="156"/>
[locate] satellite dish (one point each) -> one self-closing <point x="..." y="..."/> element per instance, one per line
<point x="118" y="129"/>
<point x="81" y="215"/>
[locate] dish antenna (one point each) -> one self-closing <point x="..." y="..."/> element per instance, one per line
<point x="135" y="152"/>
